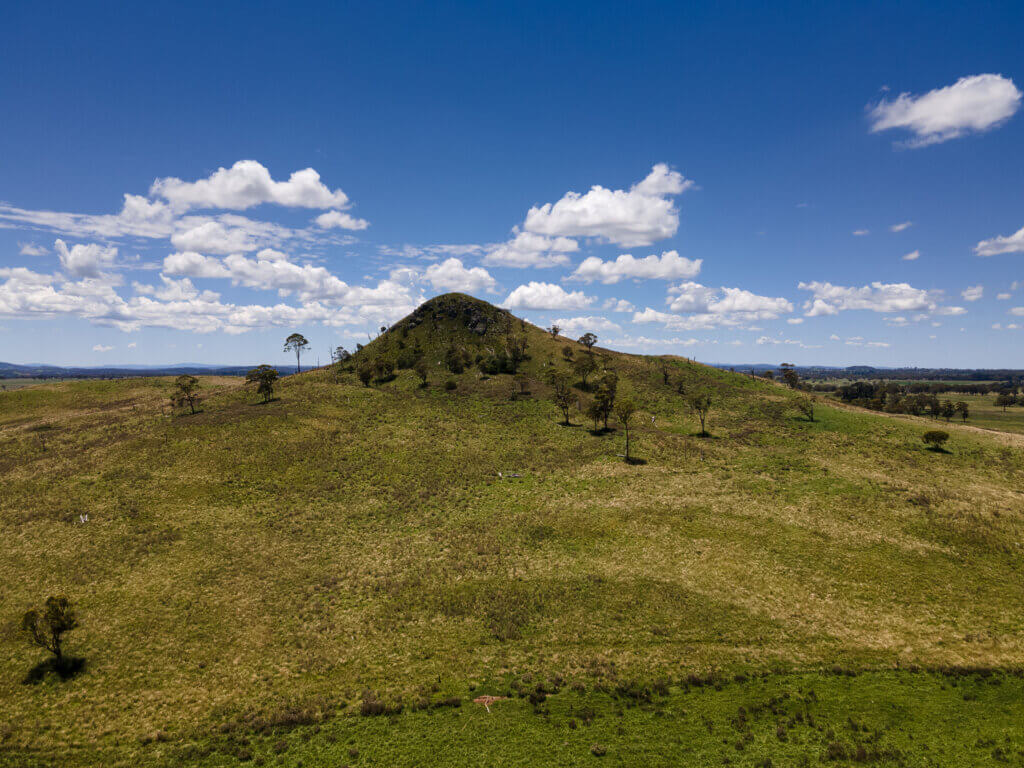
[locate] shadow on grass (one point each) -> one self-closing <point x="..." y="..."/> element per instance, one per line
<point x="632" y="461"/>
<point x="265" y="402"/>
<point x="704" y="435"/>
<point x="938" y="449"/>
<point x="66" y="669"/>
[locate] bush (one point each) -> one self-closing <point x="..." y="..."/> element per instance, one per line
<point x="450" y="385"/>
<point x="935" y="438"/>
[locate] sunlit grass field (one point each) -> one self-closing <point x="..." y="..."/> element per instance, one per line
<point x="331" y="578"/>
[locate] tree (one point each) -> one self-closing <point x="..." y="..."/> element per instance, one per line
<point x="595" y="413"/>
<point x="567" y="353"/>
<point x="515" y="348"/>
<point x="935" y="438"/>
<point x="365" y="373"/>
<point x="625" y="409"/>
<point x="185" y="392"/>
<point x="420" y="368"/>
<point x="806" y="406"/>
<point x="701" y="404"/>
<point x="961" y="408"/>
<point x="607" y="385"/>
<point x="789" y="375"/>
<point x="47" y="627"/>
<point x="1005" y="399"/>
<point x="948" y="410"/>
<point x="265" y="377"/>
<point x="296" y="343"/>
<point x="554" y="330"/>
<point x="584" y="366"/>
<point x="588" y="340"/>
<point x="561" y="392"/>
<point x="665" y="370"/>
<point x="340" y="355"/>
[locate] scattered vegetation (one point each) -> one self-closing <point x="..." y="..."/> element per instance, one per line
<point x="265" y="378"/>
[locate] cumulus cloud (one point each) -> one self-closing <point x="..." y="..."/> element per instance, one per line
<point x="973" y="293"/>
<point x="1003" y="296"/>
<point x="631" y="218"/>
<point x="527" y="249"/>
<point x="901" y="226"/>
<point x="573" y="325"/>
<point x="535" y="295"/>
<point x="31" y="249"/>
<point x="669" y="266"/>
<point x="971" y="105"/>
<point x="670" y="344"/>
<point x="192" y="264"/>
<point x="617" y="305"/>
<point x="101" y="348"/>
<point x="733" y="303"/>
<point x="248" y="183"/>
<point x="912" y="256"/>
<point x="861" y="232"/>
<point x="829" y="299"/>
<point x="339" y="220"/>
<point x="1009" y="244"/>
<point x="213" y="237"/>
<point x="452" y="275"/>
<point x="85" y="260"/>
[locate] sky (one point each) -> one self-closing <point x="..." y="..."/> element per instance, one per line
<point x="736" y="182"/>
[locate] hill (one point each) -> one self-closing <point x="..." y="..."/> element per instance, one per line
<point x="333" y="577"/>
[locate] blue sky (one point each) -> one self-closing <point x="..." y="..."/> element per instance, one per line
<point x="675" y="179"/>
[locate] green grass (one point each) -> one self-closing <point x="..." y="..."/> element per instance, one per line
<point x="256" y="561"/>
<point x="987" y="415"/>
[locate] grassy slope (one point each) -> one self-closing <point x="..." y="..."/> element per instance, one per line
<point x="255" y="561"/>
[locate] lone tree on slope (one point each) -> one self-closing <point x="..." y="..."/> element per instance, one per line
<point x="806" y="406"/>
<point x="701" y="404"/>
<point x="561" y="392"/>
<point x="935" y="438"/>
<point x="46" y="627"/>
<point x="554" y="330"/>
<point x="789" y="375"/>
<point x="588" y="340"/>
<point x="264" y="377"/>
<point x="584" y="366"/>
<point x="296" y="343"/>
<point x="625" y="409"/>
<point x="186" y="392"/>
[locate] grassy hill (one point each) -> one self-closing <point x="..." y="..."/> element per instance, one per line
<point x="332" y="577"/>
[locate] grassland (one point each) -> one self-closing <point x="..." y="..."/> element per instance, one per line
<point x="254" y="577"/>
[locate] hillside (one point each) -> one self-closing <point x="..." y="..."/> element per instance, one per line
<point x="256" y="582"/>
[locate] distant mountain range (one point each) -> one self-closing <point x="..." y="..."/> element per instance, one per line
<point x="43" y="371"/>
<point x="878" y="372"/>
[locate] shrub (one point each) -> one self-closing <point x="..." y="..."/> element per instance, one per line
<point x="935" y="438"/>
<point x="450" y="385"/>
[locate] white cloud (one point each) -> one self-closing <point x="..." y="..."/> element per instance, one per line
<point x="671" y="344"/>
<point x="85" y="260"/>
<point x="617" y="305"/>
<point x="31" y="249"/>
<point x="1003" y="296"/>
<point x="833" y="337"/>
<point x="101" y="348"/>
<point x="901" y="226"/>
<point x="132" y="345"/>
<point x="951" y="311"/>
<point x="861" y="232"/>
<point x="581" y="325"/>
<point x="830" y="299"/>
<point x="669" y="266"/>
<point x="972" y="104"/>
<point x="1017" y="311"/>
<point x="794" y="320"/>
<point x="194" y="264"/>
<point x="638" y="217"/>
<point x="858" y="341"/>
<point x="691" y="297"/>
<point x="973" y="293"/>
<point x="994" y="246"/>
<point x="912" y="256"/>
<point x="527" y="249"/>
<point x="451" y="275"/>
<point x="213" y="237"/>
<point x="248" y="183"/>
<point x="789" y="342"/>
<point x="536" y="295"/>
<point x="337" y="219"/>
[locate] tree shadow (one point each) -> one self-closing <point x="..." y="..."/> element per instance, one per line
<point x="265" y="402"/>
<point x="67" y="668"/>
<point x="633" y="461"/>
<point x="938" y="449"/>
<point x="704" y="435"/>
